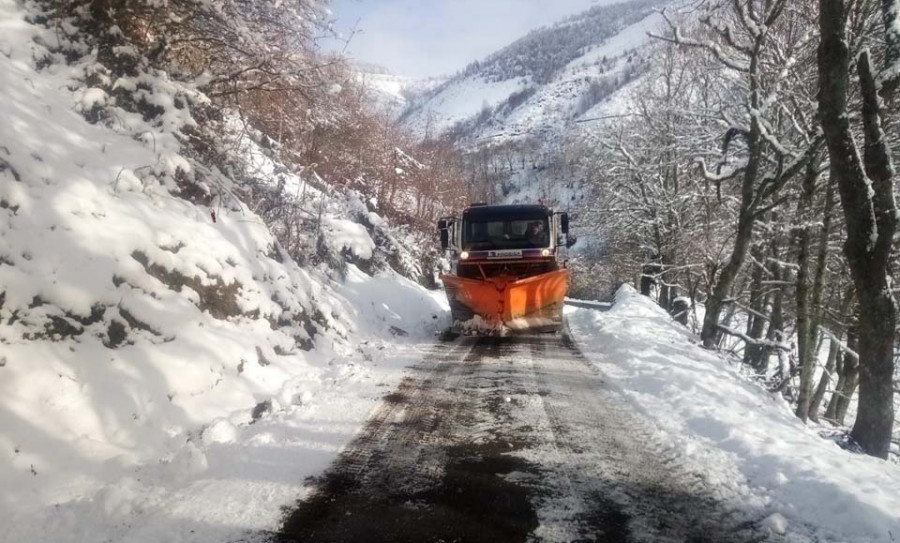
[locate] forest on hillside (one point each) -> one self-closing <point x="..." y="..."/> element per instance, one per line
<point x="543" y="52"/>
<point x="753" y="179"/>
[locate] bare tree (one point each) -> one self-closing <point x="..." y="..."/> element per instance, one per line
<point x="865" y="184"/>
<point x="759" y="42"/>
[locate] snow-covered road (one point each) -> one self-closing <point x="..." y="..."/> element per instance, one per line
<point x="512" y="439"/>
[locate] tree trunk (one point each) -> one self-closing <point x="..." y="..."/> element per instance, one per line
<point x="805" y="343"/>
<point x="817" y="397"/>
<point x="851" y="380"/>
<point x="805" y="332"/>
<point x="822" y="258"/>
<point x="866" y="190"/>
<point x="831" y="409"/>
<point x="834" y="366"/>
<point x="665" y="294"/>
<point x="775" y="333"/>
<point x="756" y="325"/>
<point x="680" y="309"/>
<point x="746" y="218"/>
<point x="648" y="276"/>
<point x="667" y="289"/>
<point x="716" y="301"/>
<point x="877" y="322"/>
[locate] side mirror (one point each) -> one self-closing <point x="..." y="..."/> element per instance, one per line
<point x="564" y="223"/>
<point x="442" y="224"/>
<point x="570" y="241"/>
<point x="445" y="239"/>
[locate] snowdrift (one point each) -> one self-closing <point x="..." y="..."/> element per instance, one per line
<point x="743" y="437"/>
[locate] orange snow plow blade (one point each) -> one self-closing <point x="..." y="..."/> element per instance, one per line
<point x="533" y="302"/>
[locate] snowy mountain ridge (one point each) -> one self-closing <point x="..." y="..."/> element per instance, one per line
<point x="542" y="83"/>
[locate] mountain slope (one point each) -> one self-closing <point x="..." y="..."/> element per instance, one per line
<point x="542" y="82"/>
<point x="392" y="93"/>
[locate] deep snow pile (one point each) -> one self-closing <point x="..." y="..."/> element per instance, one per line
<point x="164" y="375"/>
<point x="745" y="438"/>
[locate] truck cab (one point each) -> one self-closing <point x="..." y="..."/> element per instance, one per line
<point x="507" y="263"/>
<point x="525" y="239"/>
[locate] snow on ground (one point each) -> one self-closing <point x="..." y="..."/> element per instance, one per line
<point x="602" y="116"/>
<point x="164" y="376"/>
<point x="744" y="437"/>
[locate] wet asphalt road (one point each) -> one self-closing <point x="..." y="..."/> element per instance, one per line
<point x="509" y="439"/>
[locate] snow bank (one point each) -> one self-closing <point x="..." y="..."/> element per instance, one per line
<point x="744" y="437"/>
<point x="167" y="373"/>
<point x="388" y="305"/>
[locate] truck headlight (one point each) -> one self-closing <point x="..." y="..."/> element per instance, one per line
<point x="464" y="255"/>
<point x="545" y="252"/>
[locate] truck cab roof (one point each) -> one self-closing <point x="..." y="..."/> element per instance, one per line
<point x="506" y="212"/>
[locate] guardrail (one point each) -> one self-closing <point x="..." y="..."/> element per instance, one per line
<point x="589" y="304"/>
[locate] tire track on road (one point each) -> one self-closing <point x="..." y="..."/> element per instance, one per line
<point x="630" y="491"/>
<point x="510" y="439"/>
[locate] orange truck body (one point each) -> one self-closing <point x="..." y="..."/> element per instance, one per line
<point x="505" y="300"/>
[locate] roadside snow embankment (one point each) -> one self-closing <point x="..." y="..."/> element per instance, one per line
<point x="167" y="372"/>
<point x="747" y="440"/>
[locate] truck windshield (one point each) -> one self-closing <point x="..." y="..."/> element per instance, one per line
<point x="506" y="234"/>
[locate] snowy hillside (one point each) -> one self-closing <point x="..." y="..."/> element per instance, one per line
<point x="544" y="82"/>
<point x="154" y="337"/>
<point x="393" y="92"/>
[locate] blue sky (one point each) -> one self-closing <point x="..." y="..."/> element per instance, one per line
<point x="433" y="37"/>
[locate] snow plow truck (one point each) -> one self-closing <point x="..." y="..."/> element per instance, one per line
<point x="508" y="267"/>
